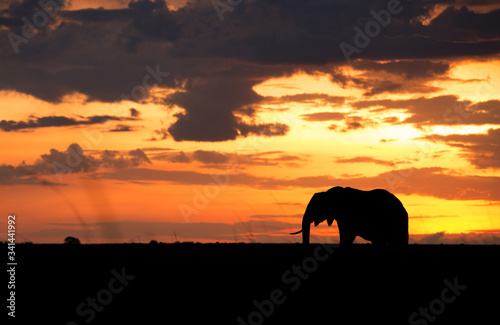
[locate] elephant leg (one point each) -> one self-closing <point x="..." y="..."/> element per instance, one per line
<point x="346" y="240"/>
<point x="400" y="239"/>
<point x="400" y="247"/>
<point x="379" y="245"/>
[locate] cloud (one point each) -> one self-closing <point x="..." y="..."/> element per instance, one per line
<point x="115" y="159"/>
<point x="465" y="24"/>
<point x="58" y="121"/>
<point x="323" y="116"/>
<point x="210" y="157"/>
<point x="352" y="122"/>
<point x="214" y="67"/>
<point x="323" y="99"/>
<point x="179" y="157"/>
<point x="225" y="160"/>
<point x="430" y="181"/>
<point x="364" y="159"/>
<point x="161" y="133"/>
<point x="134" y="112"/>
<point x="218" y="122"/>
<point x="122" y="128"/>
<point x="440" y="110"/>
<point x="72" y="160"/>
<point x="265" y="129"/>
<point x="411" y="69"/>
<point x="482" y="150"/>
<point x="397" y="76"/>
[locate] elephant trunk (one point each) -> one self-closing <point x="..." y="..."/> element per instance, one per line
<point x="306" y="227"/>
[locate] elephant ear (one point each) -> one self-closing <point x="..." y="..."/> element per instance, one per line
<point x="329" y="220"/>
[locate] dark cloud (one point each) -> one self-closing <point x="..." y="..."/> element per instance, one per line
<point x="463" y="24"/>
<point x="397" y="77"/>
<point x="323" y="99"/>
<point x="12" y="11"/>
<point x="72" y="160"/>
<point x="134" y="112"/>
<point x="122" y="128"/>
<point x="384" y="86"/>
<point x="408" y="69"/>
<point x="151" y="19"/>
<point x="218" y="121"/>
<point x="214" y="65"/>
<point x="264" y="129"/>
<point x="317" y="28"/>
<point x="482" y="150"/>
<point x="57" y="121"/>
<point x="159" y="134"/>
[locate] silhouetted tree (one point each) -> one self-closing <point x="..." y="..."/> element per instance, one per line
<point x="153" y="242"/>
<point x="72" y="240"/>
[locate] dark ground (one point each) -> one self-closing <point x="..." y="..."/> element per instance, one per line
<point x="217" y="283"/>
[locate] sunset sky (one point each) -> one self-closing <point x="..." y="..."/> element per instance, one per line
<point x="217" y="121"/>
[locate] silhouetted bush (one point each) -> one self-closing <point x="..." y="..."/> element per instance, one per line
<point x="72" y="240"/>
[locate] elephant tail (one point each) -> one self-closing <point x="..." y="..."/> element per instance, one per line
<point x="296" y="233"/>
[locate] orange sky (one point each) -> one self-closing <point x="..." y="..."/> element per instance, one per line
<point x="445" y="173"/>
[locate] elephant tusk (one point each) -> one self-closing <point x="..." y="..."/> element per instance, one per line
<point x="295" y="233"/>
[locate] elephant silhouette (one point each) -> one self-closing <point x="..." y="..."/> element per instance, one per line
<point x="377" y="216"/>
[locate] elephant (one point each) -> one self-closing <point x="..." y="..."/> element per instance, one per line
<point x="377" y="216"/>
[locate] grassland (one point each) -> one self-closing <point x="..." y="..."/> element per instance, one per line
<point x="190" y="283"/>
